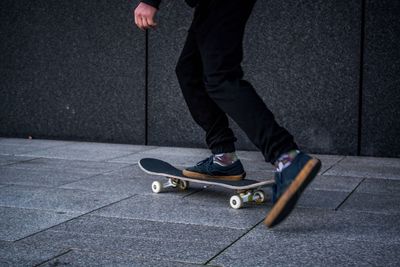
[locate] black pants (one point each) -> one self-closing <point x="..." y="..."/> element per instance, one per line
<point x="210" y="76"/>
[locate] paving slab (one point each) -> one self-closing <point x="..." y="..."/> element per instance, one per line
<point x="376" y="203"/>
<point x="56" y="199"/>
<point x="334" y="183"/>
<point x="379" y="187"/>
<point x="17" y="254"/>
<point x="278" y="251"/>
<point x="83" y="258"/>
<point x="16" y="223"/>
<point x="322" y="199"/>
<point x="313" y="237"/>
<point x="77" y="166"/>
<point x="88" y="151"/>
<point x="328" y="161"/>
<point x="147" y="229"/>
<point x="18" y="146"/>
<point x="257" y="166"/>
<point x="169" y="150"/>
<point x="39" y="177"/>
<point x="199" y="211"/>
<point x="129" y="180"/>
<point x="367" y="167"/>
<point x="11" y="159"/>
<point x="195" y="251"/>
<point x="350" y="225"/>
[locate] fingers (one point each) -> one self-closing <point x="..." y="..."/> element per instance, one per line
<point x="144" y="16"/>
<point x="151" y="22"/>
<point x="139" y="20"/>
<point x="144" y="23"/>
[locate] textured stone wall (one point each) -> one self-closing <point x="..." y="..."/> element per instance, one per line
<point x="71" y="70"/>
<point x="303" y="58"/>
<point x="77" y="70"/>
<point x="381" y="80"/>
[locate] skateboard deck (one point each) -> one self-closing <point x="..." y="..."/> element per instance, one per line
<point x="247" y="190"/>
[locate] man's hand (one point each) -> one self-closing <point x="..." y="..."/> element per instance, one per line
<point x="144" y="16"/>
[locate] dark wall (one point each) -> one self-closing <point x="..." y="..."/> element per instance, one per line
<point x="303" y="58"/>
<point x="71" y="70"/>
<point x="381" y="80"/>
<point x="77" y="70"/>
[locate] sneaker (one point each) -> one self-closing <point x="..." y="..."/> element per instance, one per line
<point x="290" y="184"/>
<point x="208" y="169"/>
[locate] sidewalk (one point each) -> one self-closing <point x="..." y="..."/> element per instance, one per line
<point x="87" y="204"/>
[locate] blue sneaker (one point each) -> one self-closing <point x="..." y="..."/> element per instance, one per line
<point x="290" y="184"/>
<point x="208" y="169"/>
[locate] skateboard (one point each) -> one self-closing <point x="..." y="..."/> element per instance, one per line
<point x="246" y="190"/>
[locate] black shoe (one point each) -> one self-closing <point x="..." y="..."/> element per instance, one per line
<point x="290" y="184"/>
<point x="208" y="169"/>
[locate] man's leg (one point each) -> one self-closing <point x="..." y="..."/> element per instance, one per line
<point x="219" y="137"/>
<point x="189" y="70"/>
<point x="219" y="37"/>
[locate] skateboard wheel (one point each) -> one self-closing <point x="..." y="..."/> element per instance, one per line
<point x="156" y="186"/>
<point x="260" y="195"/>
<point x="236" y="202"/>
<point x="183" y="185"/>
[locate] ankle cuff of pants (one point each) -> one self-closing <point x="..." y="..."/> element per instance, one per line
<point x="223" y="148"/>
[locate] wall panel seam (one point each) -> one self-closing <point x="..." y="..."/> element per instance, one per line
<point x="361" y="76"/>
<point x="146" y="89"/>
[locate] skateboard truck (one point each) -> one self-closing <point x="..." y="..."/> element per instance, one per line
<point x="236" y="201"/>
<point x="157" y="186"/>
